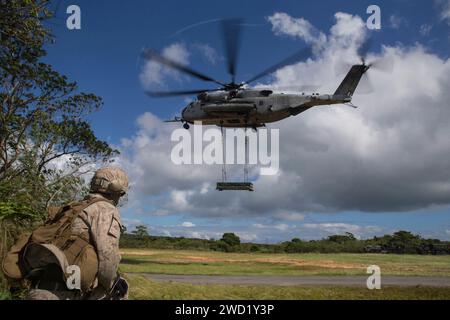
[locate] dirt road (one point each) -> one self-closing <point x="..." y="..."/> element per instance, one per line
<point x="300" y="281"/>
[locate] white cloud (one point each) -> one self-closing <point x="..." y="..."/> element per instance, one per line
<point x="208" y="52"/>
<point x="247" y="237"/>
<point x="279" y="226"/>
<point x="155" y="74"/>
<point x="188" y="224"/>
<point x="348" y="31"/>
<point x="333" y="227"/>
<point x="130" y="224"/>
<point x="282" y="23"/>
<point x="167" y="233"/>
<point x="179" y="199"/>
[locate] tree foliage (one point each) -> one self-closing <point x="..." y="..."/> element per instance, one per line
<point x="341" y="238"/>
<point x="45" y="141"/>
<point x="383" y="244"/>
<point x="140" y="231"/>
<point x="231" y="239"/>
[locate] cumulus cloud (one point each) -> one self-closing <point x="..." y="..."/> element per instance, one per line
<point x="146" y="156"/>
<point x="155" y="74"/>
<point x="188" y="224"/>
<point x="284" y="24"/>
<point x="391" y="154"/>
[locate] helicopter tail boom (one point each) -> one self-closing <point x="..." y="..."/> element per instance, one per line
<point x="351" y="80"/>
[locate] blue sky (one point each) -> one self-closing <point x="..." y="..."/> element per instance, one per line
<point x="103" y="57"/>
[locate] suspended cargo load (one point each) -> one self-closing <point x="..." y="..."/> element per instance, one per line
<point x="240" y="186"/>
<point x="236" y="186"/>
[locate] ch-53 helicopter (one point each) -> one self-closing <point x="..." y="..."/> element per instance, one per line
<point x="236" y="105"/>
<point x="239" y="106"/>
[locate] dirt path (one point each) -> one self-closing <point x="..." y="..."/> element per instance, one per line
<point x="306" y="280"/>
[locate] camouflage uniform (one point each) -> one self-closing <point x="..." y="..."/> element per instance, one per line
<point x="40" y="294"/>
<point x="102" y="221"/>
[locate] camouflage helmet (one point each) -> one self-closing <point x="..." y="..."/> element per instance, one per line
<point x="110" y="180"/>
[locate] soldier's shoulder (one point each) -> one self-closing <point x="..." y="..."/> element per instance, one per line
<point x="102" y="205"/>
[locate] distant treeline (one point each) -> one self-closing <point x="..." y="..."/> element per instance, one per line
<point x="401" y="242"/>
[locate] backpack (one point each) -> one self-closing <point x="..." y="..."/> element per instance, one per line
<point x="54" y="244"/>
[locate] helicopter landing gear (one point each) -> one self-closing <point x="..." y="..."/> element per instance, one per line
<point x="186" y="126"/>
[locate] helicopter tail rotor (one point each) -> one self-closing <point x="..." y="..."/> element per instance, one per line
<point x="383" y="64"/>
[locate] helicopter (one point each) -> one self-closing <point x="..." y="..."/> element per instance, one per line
<point x="239" y="106"/>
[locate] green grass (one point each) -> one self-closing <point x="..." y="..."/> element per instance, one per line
<point x="143" y="289"/>
<point x="5" y="295"/>
<point x="219" y="263"/>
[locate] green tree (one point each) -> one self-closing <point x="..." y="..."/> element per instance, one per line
<point x="231" y="239"/>
<point x="46" y="144"/>
<point x="340" y="238"/>
<point x="140" y="231"/>
<point x="42" y="116"/>
<point x="404" y="242"/>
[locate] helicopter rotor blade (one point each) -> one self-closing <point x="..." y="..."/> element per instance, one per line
<point x="296" y="57"/>
<point x="154" y="56"/>
<point x="365" y="86"/>
<point x="162" y="94"/>
<point x="231" y="33"/>
<point x="385" y="64"/>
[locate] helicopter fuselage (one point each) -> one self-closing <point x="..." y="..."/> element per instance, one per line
<point x="252" y="108"/>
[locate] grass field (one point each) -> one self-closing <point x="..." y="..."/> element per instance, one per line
<point x="143" y="289"/>
<point x="217" y="263"/>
